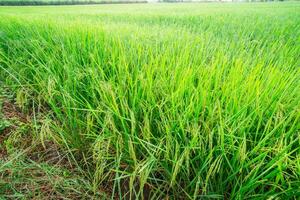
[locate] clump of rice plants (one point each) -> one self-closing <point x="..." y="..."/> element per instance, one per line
<point x="185" y="101"/>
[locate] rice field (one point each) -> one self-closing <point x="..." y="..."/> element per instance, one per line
<point x="163" y="101"/>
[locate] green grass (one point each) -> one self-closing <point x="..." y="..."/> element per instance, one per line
<point x="177" y="101"/>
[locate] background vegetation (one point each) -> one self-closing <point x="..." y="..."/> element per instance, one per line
<point x="190" y="101"/>
<point x="82" y="2"/>
<point x="65" y="2"/>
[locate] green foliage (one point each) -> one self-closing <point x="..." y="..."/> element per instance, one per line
<point x="193" y="101"/>
<point x="3" y="124"/>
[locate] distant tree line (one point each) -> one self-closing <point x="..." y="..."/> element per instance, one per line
<point x="65" y="2"/>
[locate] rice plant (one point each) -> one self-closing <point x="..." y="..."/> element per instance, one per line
<point x="168" y="101"/>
